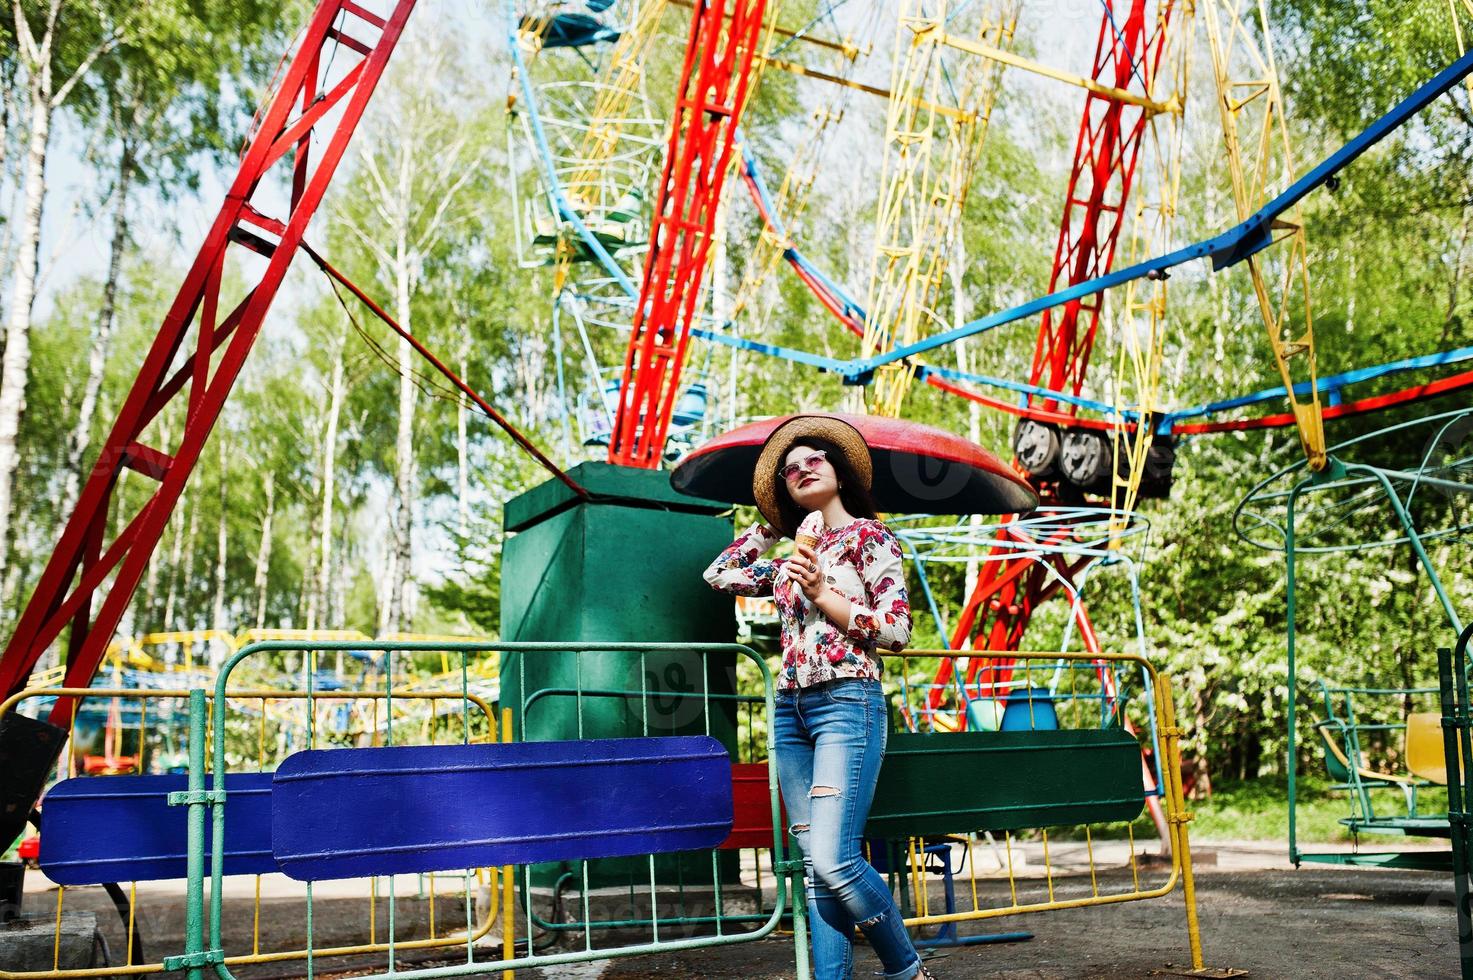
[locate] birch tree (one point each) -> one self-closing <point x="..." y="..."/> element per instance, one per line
<point x="57" y="44"/>
<point x="161" y="99"/>
<point x="412" y="176"/>
<point x="336" y="390"/>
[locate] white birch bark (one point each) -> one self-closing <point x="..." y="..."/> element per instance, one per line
<point x="385" y="586"/>
<point x="176" y="554"/>
<point x="101" y="338"/>
<point x="217" y="607"/>
<point x="15" y="362"/>
<point x="404" y="454"/>
<point x="9" y="112"/>
<point x="263" y="553"/>
<point x="44" y="97"/>
<point x="151" y="581"/>
<point x="341" y="572"/>
<point x="462" y="447"/>
<point x="336" y="393"/>
<point x="306" y="593"/>
<point x="415" y="177"/>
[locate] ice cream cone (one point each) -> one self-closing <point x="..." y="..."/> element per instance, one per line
<point x="809" y="530"/>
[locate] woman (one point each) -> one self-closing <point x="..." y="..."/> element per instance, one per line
<point x="839" y="602"/>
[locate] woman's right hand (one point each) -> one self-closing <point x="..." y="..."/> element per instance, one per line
<point x="804" y="571"/>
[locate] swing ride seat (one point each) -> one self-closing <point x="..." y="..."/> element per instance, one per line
<point x="100" y="829"/>
<point x="612" y="232"/>
<point x="1425" y="754"/>
<point x="351" y="813"/>
<point x="1360" y="780"/>
<point x="571" y="30"/>
<point x="963" y="782"/>
<point x="1029" y="710"/>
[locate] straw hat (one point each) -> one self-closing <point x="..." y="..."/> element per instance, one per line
<point x="791" y="432"/>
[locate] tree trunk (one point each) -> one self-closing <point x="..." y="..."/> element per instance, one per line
<point x="15" y="363"/>
<point x="720" y="299"/>
<point x="1203" y="790"/>
<point x="217" y="607"/>
<point x="1455" y="281"/>
<point x="343" y="566"/>
<point x="390" y="573"/>
<point x="188" y="588"/>
<point x="176" y="558"/>
<point x="404" y="452"/>
<point x="101" y="338"/>
<point x="263" y="554"/>
<point x="462" y="446"/>
<point x="8" y="114"/>
<point x="307" y="594"/>
<point x="151" y="583"/>
<point x="319" y="602"/>
<point x="961" y="310"/>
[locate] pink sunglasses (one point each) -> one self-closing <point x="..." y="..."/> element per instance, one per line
<point x="810" y="463"/>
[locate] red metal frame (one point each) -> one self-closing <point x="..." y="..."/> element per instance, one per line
<point x="713" y="90"/>
<point x="1000" y="607"/>
<point x="83" y="559"/>
<point x="1127" y="55"/>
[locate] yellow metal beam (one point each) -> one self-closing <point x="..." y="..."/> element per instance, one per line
<point x="949" y="112"/>
<point x="984" y="50"/>
<point x="1260" y="163"/>
<point x="1458" y="32"/>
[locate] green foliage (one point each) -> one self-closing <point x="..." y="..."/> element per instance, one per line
<point x="1390" y="259"/>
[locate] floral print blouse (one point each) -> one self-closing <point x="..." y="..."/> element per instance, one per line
<point x="861" y="562"/>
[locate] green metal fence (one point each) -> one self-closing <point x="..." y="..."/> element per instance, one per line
<point x="656" y="709"/>
<point x="1452" y="671"/>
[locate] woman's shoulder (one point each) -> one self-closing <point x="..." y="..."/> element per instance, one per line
<point x="868" y="530"/>
<point x="874" y="525"/>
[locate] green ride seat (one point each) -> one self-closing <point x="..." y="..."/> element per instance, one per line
<point x="965" y="782"/>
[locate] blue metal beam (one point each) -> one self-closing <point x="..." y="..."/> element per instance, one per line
<point x="554" y="186"/>
<point x="1226" y="249"/>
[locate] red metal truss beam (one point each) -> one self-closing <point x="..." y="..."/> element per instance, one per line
<point x="83" y="560"/>
<point x="713" y="90"/>
<point x="998" y="611"/>
<point x="1127" y="55"/>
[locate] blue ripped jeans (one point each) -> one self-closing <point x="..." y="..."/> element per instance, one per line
<point x="830" y="739"/>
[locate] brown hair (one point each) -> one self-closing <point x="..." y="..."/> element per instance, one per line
<point x="855" y="497"/>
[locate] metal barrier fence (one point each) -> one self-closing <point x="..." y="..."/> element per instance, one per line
<point x="653" y="709"/>
<point x="752" y="775"/>
<point x="1457" y="745"/>
<point x="1102" y="722"/>
<point x="1050" y="799"/>
<point x="254" y="714"/>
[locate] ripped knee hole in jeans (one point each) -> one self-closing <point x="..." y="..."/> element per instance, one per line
<point x="817" y="792"/>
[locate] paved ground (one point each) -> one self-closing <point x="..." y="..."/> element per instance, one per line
<point x="1310" y="923"/>
<point x="1256" y="914"/>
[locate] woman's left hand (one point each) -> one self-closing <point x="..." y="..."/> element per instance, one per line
<point x="804" y="570"/>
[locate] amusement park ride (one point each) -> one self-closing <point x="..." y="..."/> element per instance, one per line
<point x="606" y="195"/>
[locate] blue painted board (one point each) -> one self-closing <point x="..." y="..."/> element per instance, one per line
<point x="96" y="829"/>
<point x="350" y="813"/>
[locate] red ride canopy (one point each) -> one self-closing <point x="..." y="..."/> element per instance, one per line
<point x="919" y="469"/>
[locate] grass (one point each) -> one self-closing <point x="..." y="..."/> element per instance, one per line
<point x="1259" y="810"/>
